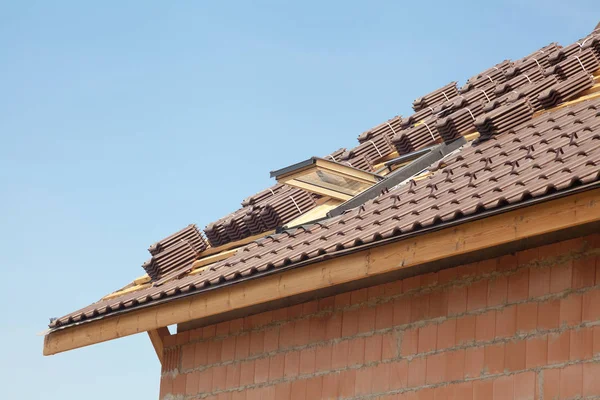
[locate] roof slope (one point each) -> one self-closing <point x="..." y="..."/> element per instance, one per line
<point x="520" y="155"/>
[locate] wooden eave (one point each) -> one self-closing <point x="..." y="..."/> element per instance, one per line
<point x="546" y="221"/>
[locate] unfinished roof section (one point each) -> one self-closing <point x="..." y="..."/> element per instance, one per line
<point x="525" y="153"/>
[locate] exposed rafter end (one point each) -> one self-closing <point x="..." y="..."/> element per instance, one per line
<point x="157" y="337"/>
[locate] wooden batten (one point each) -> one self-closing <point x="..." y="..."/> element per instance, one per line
<point x="157" y="337"/>
<point x="549" y="218"/>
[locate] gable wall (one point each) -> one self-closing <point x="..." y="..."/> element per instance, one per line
<point x="522" y="326"/>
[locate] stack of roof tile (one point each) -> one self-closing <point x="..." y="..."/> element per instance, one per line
<point x="504" y="118"/>
<point x="585" y="61"/>
<point x="440" y="95"/>
<point x="566" y="90"/>
<point x="387" y="129"/>
<point x="262" y="212"/>
<point x="174" y="252"/>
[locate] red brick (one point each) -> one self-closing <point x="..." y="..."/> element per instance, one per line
<point x="302" y="332"/>
<point x="427" y="338"/>
<point x="191" y="382"/>
<point x="227" y="396"/>
<point x="359" y="296"/>
<point x="524" y="385"/>
<point x="412" y="283"/>
<point x="276" y="366"/>
<point x="438" y="304"/>
<point x="366" y="319"/>
<point x="179" y="384"/>
<point x="228" y="349"/>
<point x="283" y="391"/>
<point x="356" y="351"/>
<point x="201" y="354"/>
<point x="590" y="309"/>
<point x="350" y="323"/>
<point x="326" y="303"/>
<point x="166" y="385"/>
<point x="392" y="288"/>
<point x="214" y="352"/>
<point x="294" y="311"/>
<point x="187" y="356"/>
<point x="291" y="364"/>
<point x="310" y="307"/>
<point x="257" y="342"/>
<point x="514" y="355"/>
<point x="419" y="309"/>
<point x="374" y="292"/>
<point x="465" y="329"/>
<point x="425" y="394"/>
<point x="220" y="377"/>
<point x="497" y="291"/>
<point x="508" y="262"/>
<point x="527" y="317"/>
<point x="467" y="270"/>
<point x="483" y="390"/>
<point x="384" y="315"/>
<point x="286" y="335"/>
<point x="584" y="272"/>
<point x="536" y="352"/>
<point x="261" y="370"/>
<point x="417" y="369"/>
<point x="323" y="358"/>
<point x="307" y="361"/>
<point x="364" y="378"/>
<point x="549" y="314"/>
<point x="373" y="348"/>
<point x="504" y="387"/>
<point x="486" y="266"/>
<point x="485" y="326"/>
<point x="299" y="389"/>
<point x="339" y="354"/>
<point x="346" y="383"/>
<point x="333" y="326"/>
<point x="222" y="328"/>
<point x="410" y="342"/>
<point x="447" y="275"/>
<point x="241" y="395"/>
<point x="242" y="346"/>
<point x="561" y="277"/>
<point x="539" y="282"/>
<point x="446" y="336"/>
<point x="596" y="334"/>
<point x="398" y="374"/>
<point x="571" y="381"/>
<point x="236" y="325"/>
<point x="247" y="373"/>
<point x="455" y="365"/>
<point x="209" y="331"/>
<point x="581" y="344"/>
<point x="205" y="381"/>
<point x="591" y="383"/>
<point x="402" y="310"/>
<point x="381" y="378"/>
<point x="435" y="368"/>
<point x="232" y="373"/>
<point x="314" y="387"/>
<point x="558" y="347"/>
<point x="477" y="295"/>
<point x="318" y="329"/>
<point x="457" y="300"/>
<point x="342" y="300"/>
<point x="551" y="379"/>
<point x="518" y="285"/>
<point x="506" y="322"/>
<point x="183" y="337"/>
<point x="271" y="339"/>
<point x="494" y="358"/>
<point x="570" y="310"/>
<point x="389" y="346"/>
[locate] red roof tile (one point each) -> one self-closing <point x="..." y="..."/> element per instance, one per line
<point x="517" y="158"/>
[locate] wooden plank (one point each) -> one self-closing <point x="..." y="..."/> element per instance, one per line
<point x="126" y="290"/>
<point x="508" y="227"/>
<point x="213" y="258"/>
<point x="319" y="211"/>
<point x="157" y="338"/>
<point x="236" y="244"/>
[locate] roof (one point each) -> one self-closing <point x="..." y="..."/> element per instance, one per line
<point x="527" y="149"/>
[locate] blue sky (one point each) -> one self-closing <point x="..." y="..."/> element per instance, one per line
<point x="123" y="122"/>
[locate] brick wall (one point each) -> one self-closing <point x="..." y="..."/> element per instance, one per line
<point x="521" y="326"/>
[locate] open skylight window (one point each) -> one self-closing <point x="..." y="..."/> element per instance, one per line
<point x="327" y="178"/>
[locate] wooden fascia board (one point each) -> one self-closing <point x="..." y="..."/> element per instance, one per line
<point x="539" y="219"/>
<point x="157" y="337"/>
